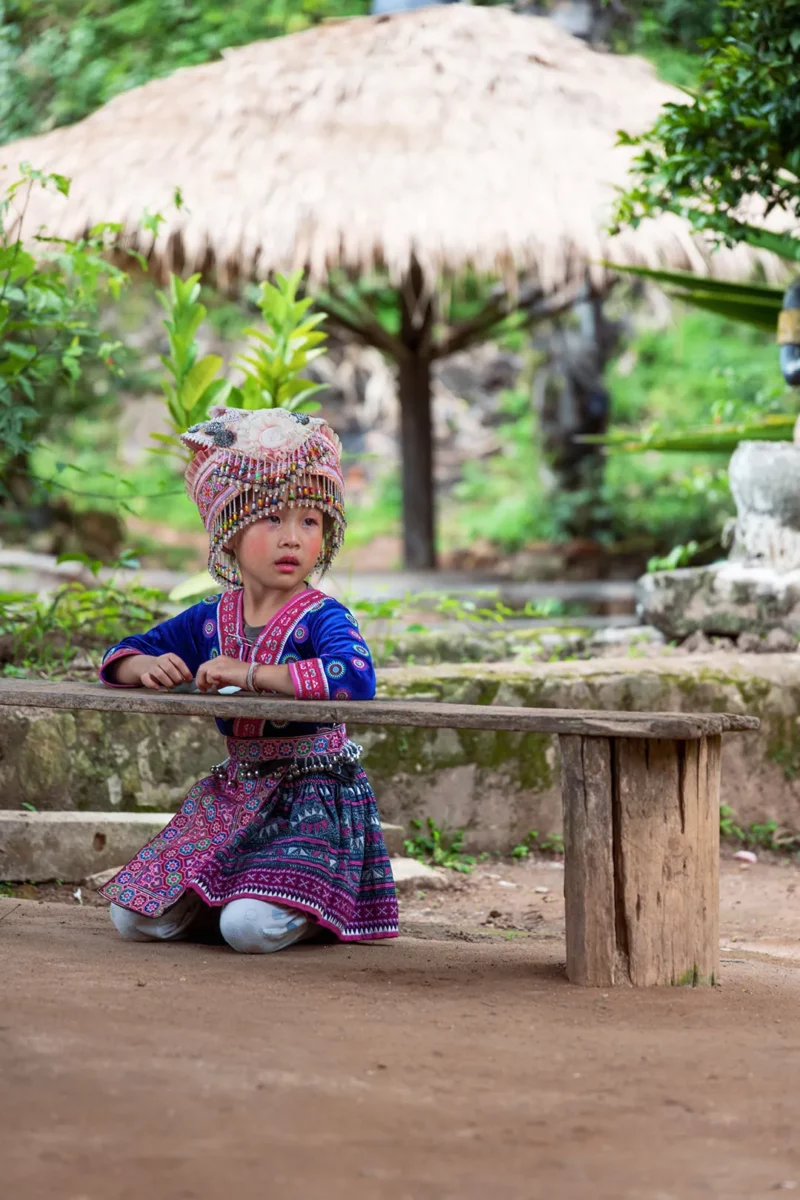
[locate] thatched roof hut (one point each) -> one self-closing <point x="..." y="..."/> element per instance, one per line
<point x="457" y="135"/>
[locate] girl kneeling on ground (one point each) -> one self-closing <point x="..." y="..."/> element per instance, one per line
<point x="283" y="837"/>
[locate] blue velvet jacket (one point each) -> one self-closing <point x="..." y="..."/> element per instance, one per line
<point x="314" y="635"/>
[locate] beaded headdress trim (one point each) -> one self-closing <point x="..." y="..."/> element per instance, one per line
<point x="246" y="463"/>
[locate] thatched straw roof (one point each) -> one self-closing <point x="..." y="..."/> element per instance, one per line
<point x="461" y="135"/>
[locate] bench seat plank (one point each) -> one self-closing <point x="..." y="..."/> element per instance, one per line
<point x="34" y="693"/>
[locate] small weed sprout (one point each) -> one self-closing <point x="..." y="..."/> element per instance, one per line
<point x="549" y="844"/>
<point x="438" y="847"/>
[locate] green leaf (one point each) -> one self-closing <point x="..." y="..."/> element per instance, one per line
<point x="297" y="391"/>
<point x="198" y="380"/>
<point x="783" y="244"/>
<point x="16" y="261"/>
<point x="19" y="350"/>
<point x="715" y="439"/>
<point x="196" y="587"/>
<point x="688" y="281"/>
<point x="753" y="304"/>
<point x="761" y="313"/>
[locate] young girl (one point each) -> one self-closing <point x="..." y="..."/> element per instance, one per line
<point x="284" y="835"/>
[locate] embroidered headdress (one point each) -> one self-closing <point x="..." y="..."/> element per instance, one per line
<point x="246" y="463"/>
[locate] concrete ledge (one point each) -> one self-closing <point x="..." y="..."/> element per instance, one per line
<point x="35" y="847"/>
<point x="71" y="845"/>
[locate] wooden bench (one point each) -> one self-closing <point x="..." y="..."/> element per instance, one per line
<point x="641" y="812"/>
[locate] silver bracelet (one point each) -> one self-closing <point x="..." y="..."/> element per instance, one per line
<point x="251" y="677"/>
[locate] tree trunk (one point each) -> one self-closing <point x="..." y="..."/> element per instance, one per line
<point x="416" y="425"/>
<point x="571" y="400"/>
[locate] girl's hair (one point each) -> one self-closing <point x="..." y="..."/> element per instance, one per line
<point x="328" y="530"/>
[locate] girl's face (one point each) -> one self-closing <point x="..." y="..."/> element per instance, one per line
<point x="280" y="550"/>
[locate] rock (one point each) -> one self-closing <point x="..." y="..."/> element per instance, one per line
<point x="411" y="876"/>
<point x="101" y="878"/>
<point x="394" y="836"/>
<point x="96" y="761"/>
<point x="498" y="787"/>
<point x="446" y="644"/>
<point x="725" y="599"/>
<point x="765" y="482"/>
<point x="623" y="636"/>
<point x="697" y="643"/>
<point x="745" y="856"/>
<point x="778" y="641"/>
<point x="555" y="643"/>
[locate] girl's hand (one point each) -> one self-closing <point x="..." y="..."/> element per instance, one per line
<point x="165" y="671"/>
<point x="222" y="672"/>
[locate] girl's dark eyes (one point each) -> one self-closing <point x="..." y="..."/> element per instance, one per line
<point x="275" y="520"/>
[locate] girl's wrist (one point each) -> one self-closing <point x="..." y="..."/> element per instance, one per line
<point x="251" y="682"/>
<point x="272" y="680"/>
<point x="256" y="678"/>
<point x="128" y="670"/>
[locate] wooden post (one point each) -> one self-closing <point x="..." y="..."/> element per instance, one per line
<point x="641" y="840"/>
<point x="587" y="791"/>
<point x="416" y="423"/>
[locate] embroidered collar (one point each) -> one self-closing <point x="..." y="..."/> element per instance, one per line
<point x="273" y="637"/>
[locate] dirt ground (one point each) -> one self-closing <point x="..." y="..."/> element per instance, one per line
<point x="455" y="1062"/>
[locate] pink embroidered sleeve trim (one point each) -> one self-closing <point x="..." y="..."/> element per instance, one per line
<point x="122" y="653"/>
<point x="308" y="679"/>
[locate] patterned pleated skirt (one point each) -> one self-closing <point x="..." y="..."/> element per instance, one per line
<point x="293" y="820"/>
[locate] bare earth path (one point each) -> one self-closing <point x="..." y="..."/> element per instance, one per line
<point x="452" y="1063"/>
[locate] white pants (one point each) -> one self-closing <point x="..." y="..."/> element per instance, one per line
<point x="248" y="926"/>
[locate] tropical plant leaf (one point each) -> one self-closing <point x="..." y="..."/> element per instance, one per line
<point x="198" y="379"/>
<point x="752" y="304"/>
<point x="713" y="439"/>
<point x="688" y="281"/>
<point x="760" y="312"/>
<point x="783" y="244"/>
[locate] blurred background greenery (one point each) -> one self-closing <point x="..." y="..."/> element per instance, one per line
<point x="672" y="365"/>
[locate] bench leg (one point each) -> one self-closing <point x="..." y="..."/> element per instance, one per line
<point x="641" y="841"/>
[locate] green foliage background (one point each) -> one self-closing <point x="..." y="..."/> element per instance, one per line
<point x="61" y="59"/>
<point x="740" y="138"/>
<point x="700" y="369"/>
